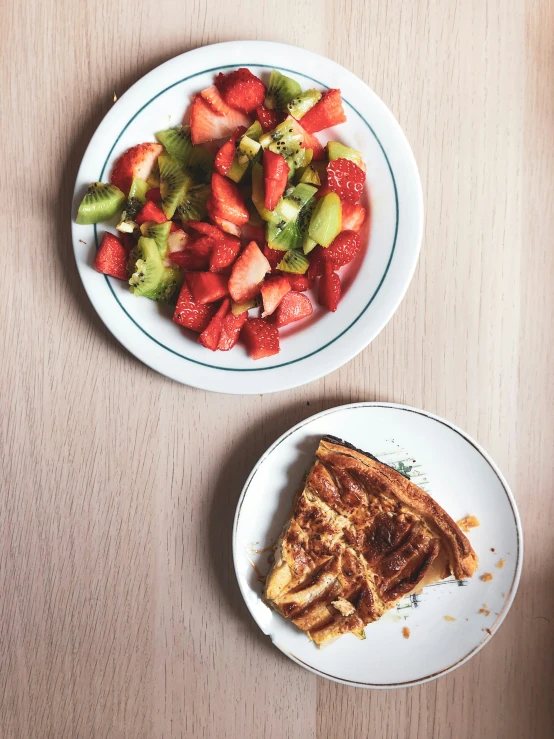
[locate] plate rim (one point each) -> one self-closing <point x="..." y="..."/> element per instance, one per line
<point x="509" y="494"/>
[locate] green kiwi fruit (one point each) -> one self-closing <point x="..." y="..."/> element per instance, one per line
<point x="285" y="139"/>
<point x="326" y="220"/>
<point x="247" y="149"/>
<point x="258" y="196"/>
<point x="159" y="232"/>
<point x="292" y="202"/>
<point x="135" y="200"/>
<point x="293" y="233"/>
<point x="336" y="150"/>
<point x="193" y="203"/>
<point x="149" y="277"/>
<point x="301" y="104"/>
<point x="280" y="91"/>
<point x="309" y="175"/>
<point x="173" y="183"/>
<point x="255" y="131"/>
<point x="195" y="160"/>
<point x="301" y="159"/>
<point x="309" y="244"/>
<point x="238" y="169"/>
<point x="100" y="203"/>
<point x="294" y="262"/>
<point x="238" y="308"/>
<point x="154" y="176"/>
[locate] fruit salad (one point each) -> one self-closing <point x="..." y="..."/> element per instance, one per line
<point x="234" y="217"/>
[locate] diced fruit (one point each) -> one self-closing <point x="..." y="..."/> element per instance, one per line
<point x="173" y="183"/>
<point x="250" y="232"/>
<point x="247" y="149"/>
<point x="326" y="220"/>
<point x="293" y="307"/>
<point x="299" y="283"/>
<point x="248" y="272"/>
<point x="224" y="157"/>
<point x="228" y="203"/>
<point x="276" y="172"/>
<point x="212" y="333"/>
<point x="273" y="256"/>
<point x="309" y="244"/>
<point x="207" y="229"/>
<point x="329" y="289"/>
<point x="237" y="170"/>
<point x="196" y="255"/>
<point x="291" y="205"/>
<point x="353" y="216"/>
<point x="336" y="150"/>
<point x="316" y="264"/>
<point x="328" y="112"/>
<point x="288" y="137"/>
<point x="344" y="248"/>
<point x="230" y="331"/>
<point x="267" y="118"/>
<point x="346" y="179"/>
<point x="258" y="195"/>
<point x="111" y="257"/>
<point x="310" y="176"/>
<point x="177" y="243"/>
<point x="261" y="339"/>
<point x="193" y="205"/>
<point x="254" y="131"/>
<point x="154" y="195"/>
<point x="211" y="118"/>
<point x="207" y="287"/>
<point x="159" y="232"/>
<point x="273" y="291"/>
<point x="128" y="242"/>
<point x="241" y="89"/>
<point x="150" y="212"/>
<point x="197" y="161"/>
<point x="174" y="227"/>
<point x="224" y="254"/>
<point x="150" y="277"/>
<point x="135" y="201"/>
<point x="191" y="314"/>
<point x="281" y="90"/>
<point x="135" y="162"/>
<point x="300" y="105"/>
<point x="238" y="308"/>
<point x="295" y="262"/>
<point x="101" y="202"/>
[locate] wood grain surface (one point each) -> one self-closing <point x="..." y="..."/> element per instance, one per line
<point x="119" y="611"/>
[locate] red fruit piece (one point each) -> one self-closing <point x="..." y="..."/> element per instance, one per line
<point x="328" y="112"/>
<point x="273" y="291"/>
<point x="224" y="254"/>
<point x="249" y="233"/>
<point x="111" y="257"/>
<point x="135" y="162"/>
<point x="316" y="264"/>
<point x="293" y="307"/>
<point x="207" y="229"/>
<point x="231" y="330"/>
<point x="154" y="195"/>
<point x="300" y="283"/>
<point x="211" y="334"/>
<point x="190" y="314"/>
<point x="273" y="256"/>
<point x="224" y="157"/>
<point x="196" y="255"/>
<point x="261" y="339"/>
<point x="248" y="272"/>
<point x="211" y="118"/>
<point x="343" y="249"/>
<point x="207" y="287"/>
<point x="353" y="216"/>
<point x="268" y="119"/>
<point x="276" y="172"/>
<point x="150" y="212"/>
<point x="128" y="242"/>
<point x="241" y="89"/>
<point x="329" y="289"/>
<point x="228" y="204"/>
<point x="173" y="228"/>
<point x="346" y="179"/>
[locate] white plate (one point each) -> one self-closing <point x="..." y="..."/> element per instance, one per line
<point x="460" y="476"/>
<point x="160" y="99"/>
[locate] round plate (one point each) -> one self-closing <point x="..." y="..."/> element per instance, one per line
<point x="328" y="340"/>
<point x="448" y="622"/>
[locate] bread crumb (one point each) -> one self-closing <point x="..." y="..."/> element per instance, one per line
<point x="406" y="632"/>
<point x="484" y="611"/>
<point x="467" y="523"/>
<point x="492" y="549"/>
<point x="449" y="618"/>
<point x="503" y="595"/>
<point x="115" y="98"/>
<point x="487" y="577"/>
<point x="467" y="619"/>
<point x="500" y="564"/>
<point x="488" y="631"/>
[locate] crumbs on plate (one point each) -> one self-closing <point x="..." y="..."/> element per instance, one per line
<point x="406" y="632"/>
<point x="487" y="577"/>
<point x="500" y="564"/>
<point x="449" y="618"/>
<point x="467" y="523"/>
<point x="485" y="611"/>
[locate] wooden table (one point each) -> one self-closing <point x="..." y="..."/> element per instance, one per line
<point x="119" y="611"/>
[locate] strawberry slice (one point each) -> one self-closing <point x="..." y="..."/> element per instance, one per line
<point x="111" y="257"/>
<point x="154" y="195"/>
<point x="241" y="89"/>
<point x="190" y="314"/>
<point x="268" y="119"/>
<point x="299" y="283"/>
<point x="273" y="291"/>
<point x="222" y="225"/>
<point x="211" y="334"/>
<point x="353" y="216"/>
<point x="224" y="254"/>
<point x="177" y="242"/>
<point x="248" y="272"/>
<point x="228" y="204"/>
<point x="231" y="330"/>
<point x="207" y="229"/>
<point x="276" y="171"/>
<point x="249" y="233"/>
<point x="261" y="339"/>
<point x="150" y="212"/>
<point x="293" y="307"/>
<point x="273" y="256"/>
<point x="196" y="255"/>
<point x="207" y="287"/>
<point x="329" y="289"/>
<point x="346" y="179"/>
<point x="224" y="157"/>
<point x="328" y="112"/>
<point x="316" y="264"/>
<point x="344" y="248"/>
<point x="135" y="162"/>
<point x="211" y="118"/>
<point x="128" y="242"/>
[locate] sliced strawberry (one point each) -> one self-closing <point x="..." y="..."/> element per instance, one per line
<point x="261" y="339"/>
<point x="344" y="248"/>
<point x="231" y="330"/>
<point x="111" y="257"/>
<point x="154" y="195"/>
<point x="128" y="242"/>
<point x="276" y="171"/>
<point x="177" y="242"/>
<point x="328" y="112"/>
<point x="249" y="233"/>
<point x="273" y="291"/>
<point x="224" y="157"/>
<point x="346" y="179"/>
<point x="207" y="287"/>
<point x="173" y="228"/>
<point x="293" y="307"/>
<point x="241" y="89"/>
<point x="135" y="162"/>
<point x="211" y="334"/>
<point x="248" y="272"/>
<point x="207" y="229"/>
<point x="329" y="289"/>
<point x="196" y="256"/>
<point x="273" y="256"/>
<point x="268" y="119"/>
<point x="150" y="212"/>
<point x="316" y="264"/>
<point x="323" y="190"/>
<point x="191" y="314"/>
<point x="211" y="118"/>
<point x="300" y="283"/>
<point x="224" y="254"/>
<point x="228" y="203"/>
<point x="353" y="216"/>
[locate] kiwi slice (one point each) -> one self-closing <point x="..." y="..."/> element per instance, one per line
<point x="280" y="91"/>
<point x="301" y="159"/>
<point x="255" y="131"/>
<point x="309" y="175"/>
<point x="247" y="149"/>
<point x="238" y="308"/>
<point x="293" y="234"/>
<point x="149" y="277"/>
<point x="285" y="139"/>
<point x="301" y="104"/>
<point x="258" y="196"/>
<point x="326" y="220"/>
<point x="159" y="232"/>
<point x="336" y="150"/>
<point x="195" y="160"/>
<point x="309" y="244"/>
<point x="154" y="176"/>
<point x="173" y="183"/>
<point x="237" y="170"/>
<point x="295" y="262"/>
<point x="135" y="200"/>
<point x="193" y="203"/>
<point x="292" y="202"/>
<point x="100" y="203"/>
